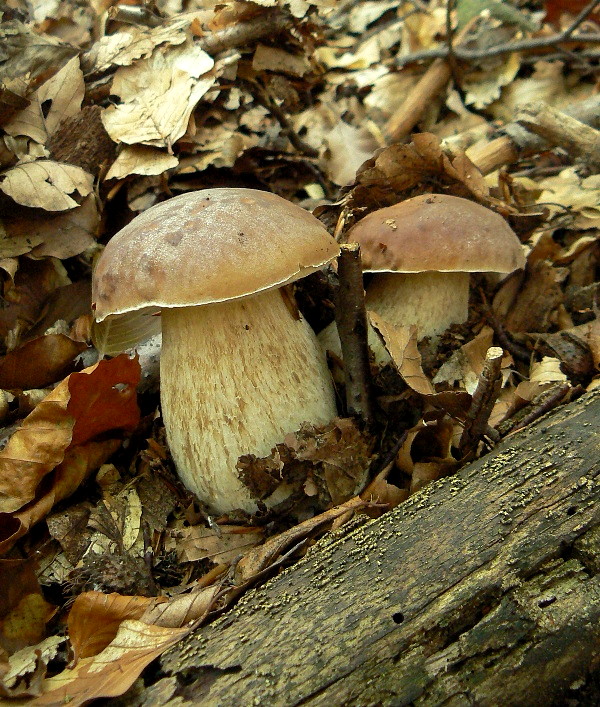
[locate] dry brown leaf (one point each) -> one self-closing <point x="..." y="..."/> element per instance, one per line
<point x="381" y="492"/>
<point x="349" y="147"/>
<point x="26" y="623"/>
<point x="465" y="364"/>
<point x="482" y="87"/>
<point x="66" y="478"/>
<point x="540" y="295"/>
<point x="199" y="543"/>
<point x="134" y="42"/>
<point x="30" y="53"/>
<point x="56" y="437"/>
<point x="158" y="95"/>
<point x="24" y="298"/>
<point x="183" y="609"/>
<point x="59" y="235"/>
<point x="276" y="59"/>
<point x="581" y="195"/>
<point x="39" y="362"/>
<point x="426" y="472"/>
<point x="547" y="371"/>
<point x="26" y="669"/>
<point x="57" y="99"/>
<point x="141" y="159"/>
<point x="402" y="167"/>
<point x="401" y="344"/>
<point x="95" y="618"/>
<point x="68" y="306"/>
<point x="45" y="184"/>
<point x="114" y="637"/>
<point x="23" y="610"/>
<point x="112" y="671"/>
<point x="266" y="554"/>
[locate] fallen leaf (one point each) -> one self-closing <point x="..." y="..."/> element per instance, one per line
<point x="24" y="298"/>
<point x="261" y="557"/>
<point x="141" y="159"/>
<point x="56" y="437"/>
<point x="111" y="672"/>
<point x="199" y="543"/>
<point x="132" y="43"/>
<point x="95" y="618"/>
<point x="45" y="184"/>
<point x="57" y="99"/>
<point x="581" y="195"/>
<point x="158" y="95"/>
<point x="26" y="669"/>
<point x="538" y="297"/>
<point x="58" y="235"/>
<point x="401" y="343"/>
<point x="402" y="167"/>
<point x="39" y="362"/>
<point x="23" y="610"/>
<point x="276" y="59"/>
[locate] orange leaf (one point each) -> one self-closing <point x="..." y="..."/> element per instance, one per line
<point x="114" y="670"/>
<point x="95" y="618"/>
<point x="52" y="438"/>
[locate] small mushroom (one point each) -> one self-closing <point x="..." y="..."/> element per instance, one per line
<point x="240" y="368"/>
<point x="422" y="251"/>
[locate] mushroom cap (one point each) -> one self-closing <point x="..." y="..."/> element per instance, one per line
<point x="437" y="232"/>
<point x="208" y="246"/>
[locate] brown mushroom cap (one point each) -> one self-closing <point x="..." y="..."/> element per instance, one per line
<point x="436" y="232"/>
<point x="208" y="246"/>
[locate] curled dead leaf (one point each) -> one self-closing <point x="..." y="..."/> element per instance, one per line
<point x="45" y="184"/>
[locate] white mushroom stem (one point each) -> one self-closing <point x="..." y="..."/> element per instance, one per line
<point x="431" y="301"/>
<point x="236" y="377"/>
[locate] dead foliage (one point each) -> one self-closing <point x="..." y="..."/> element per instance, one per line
<point x="344" y="107"/>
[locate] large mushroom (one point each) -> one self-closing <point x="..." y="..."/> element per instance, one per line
<point x="240" y="367"/>
<point x="422" y="251"/>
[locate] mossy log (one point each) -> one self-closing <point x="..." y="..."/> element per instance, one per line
<point x="482" y="589"/>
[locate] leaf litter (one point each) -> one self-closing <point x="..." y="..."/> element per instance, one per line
<point x="107" y="112"/>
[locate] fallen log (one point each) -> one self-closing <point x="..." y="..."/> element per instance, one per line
<point x="481" y="589"/>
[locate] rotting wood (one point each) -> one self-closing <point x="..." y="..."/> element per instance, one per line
<point x="483" y="588"/>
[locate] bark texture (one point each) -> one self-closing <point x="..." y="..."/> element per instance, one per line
<point x="482" y="589"/>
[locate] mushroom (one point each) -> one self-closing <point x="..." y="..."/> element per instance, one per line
<point x="240" y="367"/>
<point x="422" y="251"/>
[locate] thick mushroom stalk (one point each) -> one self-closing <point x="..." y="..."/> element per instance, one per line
<point x="431" y="301"/>
<point x="236" y="377"/>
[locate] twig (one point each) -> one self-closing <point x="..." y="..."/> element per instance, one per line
<point x="351" y="321"/>
<point x="452" y="61"/>
<point x="264" y="99"/>
<point x="498" y="50"/>
<point x="509" y="47"/>
<point x="419" y="97"/>
<point x="545" y="402"/>
<point x="519" y="352"/>
<point x="428" y="86"/>
<point x="518" y="142"/>
<point x="484" y="397"/>
<point x="558" y="128"/>
<point x="134" y="15"/>
<point x="267" y="24"/>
